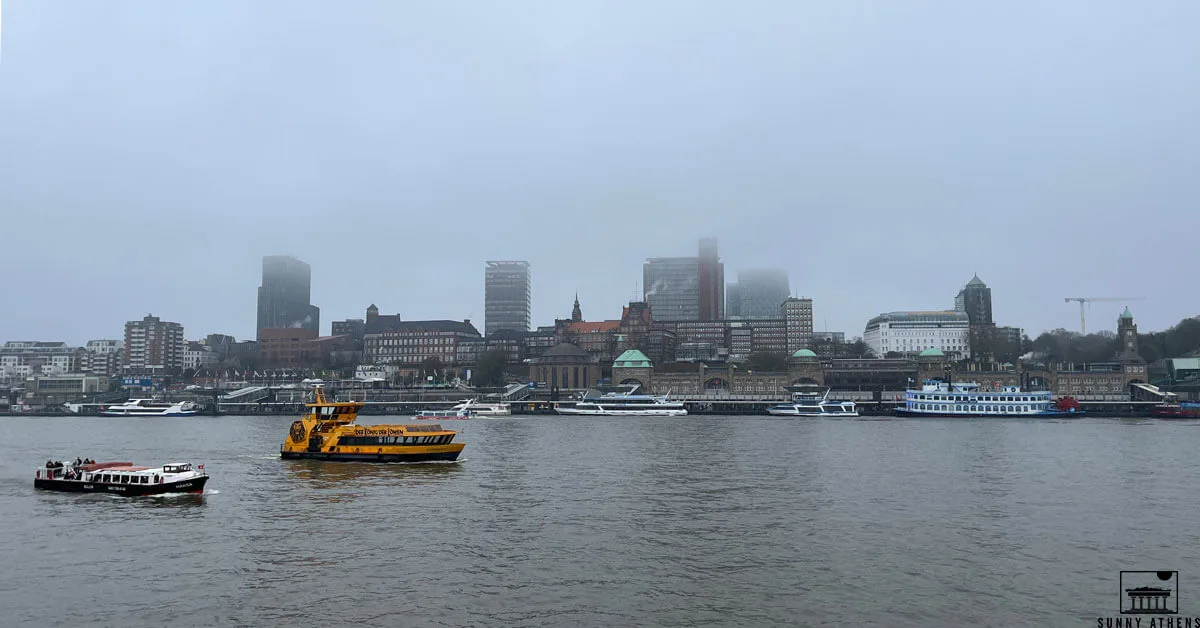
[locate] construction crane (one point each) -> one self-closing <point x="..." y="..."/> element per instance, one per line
<point x="1083" y="300"/>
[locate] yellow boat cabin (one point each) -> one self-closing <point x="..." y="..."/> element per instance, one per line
<point x="328" y="432"/>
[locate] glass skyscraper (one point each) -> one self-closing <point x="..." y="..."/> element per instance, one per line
<point x="759" y="293"/>
<point x="283" y="298"/>
<point x="686" y="288"/>
<point x="506" y="299"/>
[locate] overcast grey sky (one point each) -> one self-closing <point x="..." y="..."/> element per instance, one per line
<point x="882" y="152"/>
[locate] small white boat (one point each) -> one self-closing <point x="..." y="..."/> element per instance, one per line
<point x="812" y="403"/>
<point x="150" y="407"/>
<point x="483" y="410"/>
<point x="624" y="404"/>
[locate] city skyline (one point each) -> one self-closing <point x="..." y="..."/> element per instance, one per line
<point x="818" y="325"/>
<point x="914" y="155"/>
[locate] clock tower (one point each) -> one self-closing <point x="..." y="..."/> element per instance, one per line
<point x="1127" y="332"/>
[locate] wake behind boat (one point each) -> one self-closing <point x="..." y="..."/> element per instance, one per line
<point x="624" y="403"/>
<point x="150" y="407"/>
<point x="121" y="478"/>
<point x="814" y="403"/>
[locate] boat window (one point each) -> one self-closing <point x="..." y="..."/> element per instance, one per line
<point x="105" y="478"/>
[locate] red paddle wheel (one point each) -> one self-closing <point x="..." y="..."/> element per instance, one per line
<point x="1067" y="404"/>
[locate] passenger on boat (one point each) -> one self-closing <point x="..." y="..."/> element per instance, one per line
<point x="78" y="461"/>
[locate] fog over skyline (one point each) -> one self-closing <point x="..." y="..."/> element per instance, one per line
<point x="152" y="153"/>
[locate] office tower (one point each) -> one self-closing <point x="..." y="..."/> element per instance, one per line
<point x="759" y="293"/>
<point x="506" y="301"/>
<point x="283" y="298"/>
<point x="686" y="288"/>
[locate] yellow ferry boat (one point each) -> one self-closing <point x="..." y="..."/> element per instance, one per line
<point x="327" y="432"/>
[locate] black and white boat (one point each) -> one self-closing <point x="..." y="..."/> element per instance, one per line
<point x="121" y="478"/>
<point x="814" y="403"/>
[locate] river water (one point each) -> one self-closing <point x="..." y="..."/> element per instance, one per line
<point x="552" y="521"/>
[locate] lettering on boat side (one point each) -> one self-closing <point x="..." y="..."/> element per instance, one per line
<point x="378" y="431"/>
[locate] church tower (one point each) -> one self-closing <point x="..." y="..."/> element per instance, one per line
<point x="576" y="313"/>
<point x="1127" y="332"/>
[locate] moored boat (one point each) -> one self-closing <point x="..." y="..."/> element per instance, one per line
<point x="443" y="415"/>
<point x="624" y="403"/>
<point x="121" y="478"/>
<point x="966" y="400"/>
<point x="327" y="431"/>
<point x="810" y="403"/>
<point x="480" y="409"/>
<point x="1184" y="410"/>
<point x="150" y="407"/>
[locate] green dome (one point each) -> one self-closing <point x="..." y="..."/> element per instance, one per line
<point x="632" y="359"/>
<point x="932" y="352"/>
<point x="1126" y="313"/>
<point x="804" y="353"/>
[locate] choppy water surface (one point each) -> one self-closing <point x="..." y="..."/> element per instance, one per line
<point x="548" y="521"/>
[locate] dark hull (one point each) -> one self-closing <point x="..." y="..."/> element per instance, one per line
<point x="443" y="456"/>
<point x="1175" y="413"/>
<point x="194" y="485"/>
<point x="947" y="415"/>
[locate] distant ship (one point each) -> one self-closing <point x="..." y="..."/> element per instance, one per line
<point x="150" y="407"/>
<point x="814" y="403"/>
<point x="964" y="399"/>
<point x="479" y="409"/>
<point x="624" y="403"/>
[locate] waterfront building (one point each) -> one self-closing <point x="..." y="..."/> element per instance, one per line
<point x="101" y="357"/>
<point x="285" y="293"/>
<point x="686" y="288"/>
<point x="506" y="296"/>
<point x="538" y="341"/>
<point x="798" y="318"/>
<point x="198" y="355"/>
<point x="220" y="344"/>
<point x="909" y="333"/>
<point x="758" y="293"/>
<point x="355" y="328"/>
<point x="566" y="367"/>
<point x="20" y="359"/>
<point x="296" y="347"/>
<point x="153" y="346"/>
<point x="59" y="388"/>
<point x="288" y="347"/>
<point x="509" y="341"/>
<point x="390" y="340"/>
